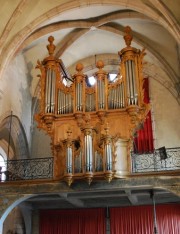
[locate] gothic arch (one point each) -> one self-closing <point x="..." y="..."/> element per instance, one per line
<point x="13" y="138"/>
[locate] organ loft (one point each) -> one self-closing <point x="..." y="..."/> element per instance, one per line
<point x="92" y="126"/>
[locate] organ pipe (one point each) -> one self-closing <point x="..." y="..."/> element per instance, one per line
<point x="50" y="78"/>
<point x="69" y="160"/>
<point x="88" y="150"/>
<point x="108" y="154"/>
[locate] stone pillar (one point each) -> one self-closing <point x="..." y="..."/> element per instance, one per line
<point x="26" y="211"/>
<point x="35" y="222"/>
<point x="122" y="164"/>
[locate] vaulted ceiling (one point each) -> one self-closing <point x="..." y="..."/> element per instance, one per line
<point x="88" y="30"/>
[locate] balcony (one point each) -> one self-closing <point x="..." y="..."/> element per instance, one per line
<point x="42" y="168"/>
<point x="160" y="160"/>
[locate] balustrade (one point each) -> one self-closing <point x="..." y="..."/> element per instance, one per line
<point x="42" y="168"/>
<point x="156" y="162"/>
<point x="28" y="169"/>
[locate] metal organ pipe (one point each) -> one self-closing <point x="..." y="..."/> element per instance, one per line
<point x="46" y="92"/>
<point x="51" y="81"/>
<point x="50" y="91"/>
<point x="112" y="98"/>
<point x="127" y="83"/>
<point x="117" y="103"/>
<point x="134" y="83"/>
<point x="122" y="100"/>
<point x="69" y="160"/>
<point x="99" y="94"/>
<point x="90" y="102"/>
<point x="120" y="95"/>
<point x="69" y="103"/>
<point x="109" y="157"/>
<point x="131" y="83"/>
<point x="108" y="154"/>
<point x="103" y="94"/>
<point x="66" y="103"/>
<point x="88" y="152"/>
<point x="61" y="102"/>
<point x="54" y="90"/>
<point x="79" y="97"/>
<point x="58" y="104"/>
<point x="116" y="99"/>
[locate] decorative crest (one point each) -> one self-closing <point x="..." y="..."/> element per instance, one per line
<point x="69" y="132"/>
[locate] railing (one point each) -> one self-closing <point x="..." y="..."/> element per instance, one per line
<point x="42" y="168"/>
<point x="161" y="160"/>
<point x="27" y="169"/>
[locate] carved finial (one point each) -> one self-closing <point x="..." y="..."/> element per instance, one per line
<point x="79" y="67"/>
<point x="69" y="179"/>
<point x="100" y="64"/>
<point x="109" y="176"/>
<point x="128" y="37"/>
<point x="51" y="47"/>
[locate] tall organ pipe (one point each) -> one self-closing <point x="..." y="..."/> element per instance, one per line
<point x="88" y="152"/>
<point x="46" y="92"/>
<point x="134" y="83"/>
<point x="50" y="91"/>
<point x="79" y="97"/>
<point x="69" y="160"/>
<point x="53" y="90"/>
<point x="127" y="83"/>
<point x="108" y="157"/>
<point x="131" y="82"/>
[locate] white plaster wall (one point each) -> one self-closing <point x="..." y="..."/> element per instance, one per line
<point x="16" y="95"/>
<point x="41" y="143"/>
<point x="166" y="115"/>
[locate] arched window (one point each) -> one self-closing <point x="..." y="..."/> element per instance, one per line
<point x="3" y="168"/>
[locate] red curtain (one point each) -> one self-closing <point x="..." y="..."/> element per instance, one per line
<point x="140" y="219"/>
<point x="168" y="219"/>
<point x="76" y="221"/>
<point x="143" y="143"/>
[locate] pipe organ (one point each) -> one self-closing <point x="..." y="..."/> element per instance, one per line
<point x="92" y="127"/>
